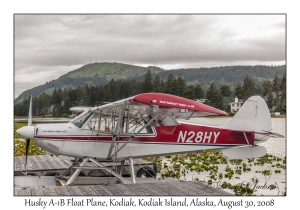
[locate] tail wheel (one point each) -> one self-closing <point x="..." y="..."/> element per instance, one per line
<point x="146" y="171"/>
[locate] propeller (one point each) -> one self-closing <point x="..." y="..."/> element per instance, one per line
<point x="28" y="140"/>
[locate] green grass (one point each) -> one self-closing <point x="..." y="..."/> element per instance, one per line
<point x="20" y="144"/>
<point x="280" y="116"/>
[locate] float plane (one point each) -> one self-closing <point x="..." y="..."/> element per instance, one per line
<point x="146" y="125"/>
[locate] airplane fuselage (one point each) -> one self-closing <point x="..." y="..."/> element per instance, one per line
<point x="69" y="140"/>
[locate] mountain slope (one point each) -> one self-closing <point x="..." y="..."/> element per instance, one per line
<point x="231" y="75"/>
<point x="93" y="74"/>
<point x="101" y="73"/>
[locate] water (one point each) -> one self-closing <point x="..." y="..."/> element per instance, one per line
<point x="274" y="146"/>
<point x="277" y="146"/>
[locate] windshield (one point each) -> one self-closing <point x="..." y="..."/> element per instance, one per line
<point x="81" y="119"/>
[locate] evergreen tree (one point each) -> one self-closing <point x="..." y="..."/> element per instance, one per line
<point x="87" y="94"/>
<point x="162" y="86"/>
<point x="53" y="98"/>
<point x="66" y="106"/>
<point x="225" y="90"/>
<point x="169" y="84"/>
<point x="44" y="102"/>
<point x="190" y="92"/>
<point x="180" y="86"/>
<point x="157" y="84"/>
<point x="123" y="90"/>
<point x="258" y="89"/>
<point x="72" y="94"/>
<point x="281" y="103"/>
<point x="112" y="91"/>
<point x="249" y="88"/>
<point x="175" y="87"/>
<point x="57" y="102"/>
<point x="147" y="83"/>
<point x="199" y="92"/>
<point x="94" y="99"/>
<point x="213" y="97"/>
<point x="276" y="85"/>
<point x="276" y="89"/>
<point x="283" y="89"/>
<point x="270" y="100"/>
<point x="239" y="93"/>
<point x="101" y="94"/>
<point x="80" y="96"/>
<point x="266" y="87"/>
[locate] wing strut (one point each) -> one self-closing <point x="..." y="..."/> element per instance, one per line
<point x="132" y="137"/>
<point x="117" y="130"/>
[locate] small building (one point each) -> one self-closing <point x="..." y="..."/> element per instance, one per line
<point x="46" y="110"/>
<point x="236" y="105"/>
<point x="277" y="113"/>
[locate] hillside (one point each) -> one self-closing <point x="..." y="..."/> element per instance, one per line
<point x="230" y="75"/>
<point x="101" y="73"/>
<point x="110" y="71"/>
<point x="92" y="74"/>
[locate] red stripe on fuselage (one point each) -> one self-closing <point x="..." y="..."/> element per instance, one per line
<point x="181" y="134"/>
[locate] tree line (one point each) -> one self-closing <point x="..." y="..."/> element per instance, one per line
<point x="101" y="74"/>
<point x="60" y="101"/>
<point x="273" y="91"/>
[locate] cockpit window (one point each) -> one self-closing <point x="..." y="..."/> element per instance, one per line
<point x="81" y="119"/>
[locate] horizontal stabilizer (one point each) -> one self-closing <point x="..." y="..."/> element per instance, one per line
<point x="245" y="152"/>
<point x="276" y="135"/>
<point x="271" y="134"/>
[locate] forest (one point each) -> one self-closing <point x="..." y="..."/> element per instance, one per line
<point x="60" y="101"/>
<point x="101" y="74"/>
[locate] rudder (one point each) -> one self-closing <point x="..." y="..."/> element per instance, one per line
<point x="255" y="116"/>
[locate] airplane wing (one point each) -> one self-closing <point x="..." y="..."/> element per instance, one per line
<point x="109" y="106"/>
<point x="79" y="108"/>
<point x="173" y="103"/>
<point x="166" y="105"/>
<point x="83" y="108"/>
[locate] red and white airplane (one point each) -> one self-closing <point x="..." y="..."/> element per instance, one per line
<point x="147" y="125"/>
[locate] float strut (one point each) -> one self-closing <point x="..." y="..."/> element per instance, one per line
<point x="76" y="172"/>
<point x="132" y="171"/>
<point x="122" y="166"/>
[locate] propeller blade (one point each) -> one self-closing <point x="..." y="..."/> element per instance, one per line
<point x="28" y="140"/>
<point x="26" y="153"/>
<point x="30" y="112"/>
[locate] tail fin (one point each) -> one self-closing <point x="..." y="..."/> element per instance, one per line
<point x="255" y="116"/>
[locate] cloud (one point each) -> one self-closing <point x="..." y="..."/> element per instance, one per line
<point x="50" y="45"/>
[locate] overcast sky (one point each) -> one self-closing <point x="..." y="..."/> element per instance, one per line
<point x="48" y="46"/>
